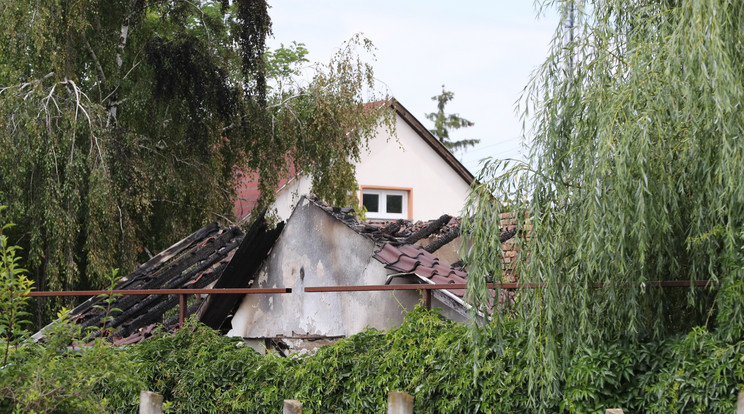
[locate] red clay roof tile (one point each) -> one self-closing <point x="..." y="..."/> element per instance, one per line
<point x="414" y="259"/>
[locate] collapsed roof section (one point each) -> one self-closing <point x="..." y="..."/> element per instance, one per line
<point x="213" y="256"/>
<point x="219" y="257"/>
<point x="407" y="248"/>
<point x="398" y="232"/>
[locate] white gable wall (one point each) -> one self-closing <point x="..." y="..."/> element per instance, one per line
<point x="406" y="163"/>
<point x="411" y="163"/>
<point x="287" y="197"/>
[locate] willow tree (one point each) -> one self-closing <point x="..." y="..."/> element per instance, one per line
<point x="635" y="175"/>
<point x="123" y="123"/>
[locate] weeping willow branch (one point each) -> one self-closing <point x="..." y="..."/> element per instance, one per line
<point x="636" y="174"/>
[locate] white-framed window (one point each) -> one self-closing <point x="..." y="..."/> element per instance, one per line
<point x="385" y="204"/>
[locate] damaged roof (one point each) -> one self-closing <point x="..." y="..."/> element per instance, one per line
<point x="226" y="257"/>
<point x="416" y="260"/>
<point x="212" y="257"/>
<point x="400" y="249"/>
<point x="194" y="262"/>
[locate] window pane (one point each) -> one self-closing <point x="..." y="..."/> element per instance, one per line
<point x="372" y="202"/>
<point x="394" y="204"/>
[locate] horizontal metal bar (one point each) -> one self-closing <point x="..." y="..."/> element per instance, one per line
<point x="682" y="283"/>
<point x="367" y="288"/>
<point x="315" y="289"/>
<point x="423" y="286"/>
<point x="222" y="291"/>
<point x="440" y="286"/>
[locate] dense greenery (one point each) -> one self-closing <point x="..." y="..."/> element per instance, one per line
<point x="635" y="175"/>
<point x="124" y="125"/>
<point x="444" y="123"/>
<point x="13" y="284"/>
<point x="432" y="358"/>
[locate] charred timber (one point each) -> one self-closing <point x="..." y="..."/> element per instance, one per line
<point x="507" y="235"/>
<point x="176" y="268"/>
<point x="240" y="272"/>
<point x="443" y="240"/>
<point x="428" y="230"/>
<point x="153" y="265"/>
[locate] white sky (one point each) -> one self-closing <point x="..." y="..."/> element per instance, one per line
<point x="482" y="50"/>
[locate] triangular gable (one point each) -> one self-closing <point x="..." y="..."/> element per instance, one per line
<point x="433" y="142"/>
<point x="248" y="192"/>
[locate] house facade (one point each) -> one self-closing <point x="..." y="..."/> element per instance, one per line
<point x="318" y="265"/>
<point x="408" y="176"/>
<point x="321" y="246"/>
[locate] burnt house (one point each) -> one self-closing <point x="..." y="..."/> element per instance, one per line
<point x="320" y="246"/>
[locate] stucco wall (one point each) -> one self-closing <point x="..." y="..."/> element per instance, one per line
<point x="410" y="162"/>
<point x="316" y="249"/>
<point x="289" y="195"/>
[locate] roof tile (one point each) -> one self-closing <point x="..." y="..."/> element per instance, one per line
<point x="404" y="264"/>
<point x="411" y="250"/>
<point x="414" y="259"/>
<point x="442" y="269"/>
<point x="388" y="254"/>
<point x="425" y="271"/>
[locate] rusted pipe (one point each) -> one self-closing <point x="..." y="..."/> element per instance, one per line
<point x="427" y="299"/>
<point x="439" y="286"/>
<point x="181" y="309"/>
<point x="219" y="291"/>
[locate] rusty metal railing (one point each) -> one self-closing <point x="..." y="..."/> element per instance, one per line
<point x="424" y="288"/>
<point x="180" y="292"/>
<point x="427" y="288"/>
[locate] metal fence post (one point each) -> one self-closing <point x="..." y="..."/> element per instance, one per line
<point x="181" y="309"/>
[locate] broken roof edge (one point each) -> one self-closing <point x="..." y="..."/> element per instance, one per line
<point x="397" y="231"/>
<point x="240" y="271"/>
<point x="432" y="141"/>
<point x="192" y="262"/>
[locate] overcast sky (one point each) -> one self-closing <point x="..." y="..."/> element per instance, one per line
<point x="484" y="51"/>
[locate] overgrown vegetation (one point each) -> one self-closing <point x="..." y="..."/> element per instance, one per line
<point x="432" y="358"/>
<point x="635" y="175"/>
<point x="13" y="284"/>
<point x="124" y="126"/>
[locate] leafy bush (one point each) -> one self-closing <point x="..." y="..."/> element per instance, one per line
<point x="65" y="376"/>
<point x="436" y="360"/>
<point x="13" y="284"/>
<point x="444" y="367"/>
<point x="700" y="373"/>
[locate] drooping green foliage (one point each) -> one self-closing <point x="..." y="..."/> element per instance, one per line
<point x="322" y="126"/>
<point x="429" y="357"/>
<point x="70" y="373"/>
<point x="124" y="124"/>
<point x="444" y="123"/>
<point x="635" y="175"/>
